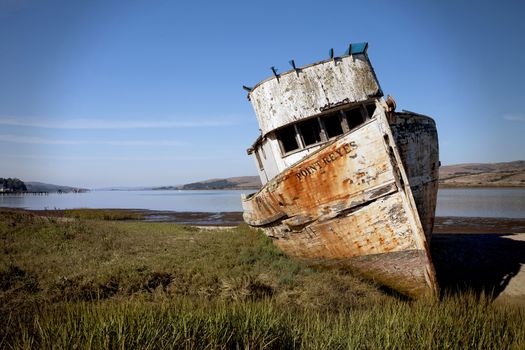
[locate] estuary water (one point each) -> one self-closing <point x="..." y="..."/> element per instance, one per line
<point x="173" y="200"/>
<point x="478" y="202"/>
<point x="481" y="202"/>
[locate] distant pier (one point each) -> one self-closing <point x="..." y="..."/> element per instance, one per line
<point x="24" y="193"/>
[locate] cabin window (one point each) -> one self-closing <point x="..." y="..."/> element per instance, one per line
<point x="310" y="130"/>
<point x="332" y="125"/>
<point x="263" y="152"/>
<point x="320" y="129"/>
<point x="287" y="139"/>
<point x="258" y="157"/>
<point x="354" y="117"/>
<point x="371" y="108"/>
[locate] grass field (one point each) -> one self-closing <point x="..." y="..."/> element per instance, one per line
<point x="84" y="280"/>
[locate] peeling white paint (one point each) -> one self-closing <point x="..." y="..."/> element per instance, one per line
<point x="295" y="96"/>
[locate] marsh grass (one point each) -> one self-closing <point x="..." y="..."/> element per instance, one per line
<point x="100" y="214"/>
<point x="80" y="283"/>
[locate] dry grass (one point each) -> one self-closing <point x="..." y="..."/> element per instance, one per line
<point x="105" y="284"/>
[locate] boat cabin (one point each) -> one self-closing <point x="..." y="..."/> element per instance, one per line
<point x="301" y="110"/>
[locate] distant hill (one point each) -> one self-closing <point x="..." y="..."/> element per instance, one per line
<point x="231" y="183"/>
<point x="43" y="187"/>
<point x="509" y="174"/>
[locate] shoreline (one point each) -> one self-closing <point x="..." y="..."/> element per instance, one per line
<point x="443" y="224"/>
<point x="484" y="186"/>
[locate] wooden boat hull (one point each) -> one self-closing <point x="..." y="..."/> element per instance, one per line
<point x="417" y="142"/>
<point x="350" y="204"/>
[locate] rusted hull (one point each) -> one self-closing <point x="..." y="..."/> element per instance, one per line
<point x="350" y="204"/>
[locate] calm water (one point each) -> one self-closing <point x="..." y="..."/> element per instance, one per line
<point x="492" y="202"/>
<point x="482" y="202"/>
<point x="200" y="201"/>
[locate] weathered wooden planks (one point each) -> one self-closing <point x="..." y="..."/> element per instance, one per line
<point x="417" y="142"/>
<point x="350" y="204"/>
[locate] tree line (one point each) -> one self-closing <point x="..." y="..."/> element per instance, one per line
<point x="12" y="185"/>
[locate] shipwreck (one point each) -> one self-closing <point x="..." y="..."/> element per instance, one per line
<point x="347" y="181"/>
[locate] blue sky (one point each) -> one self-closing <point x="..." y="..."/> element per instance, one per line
<point x="132" y="93"/>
